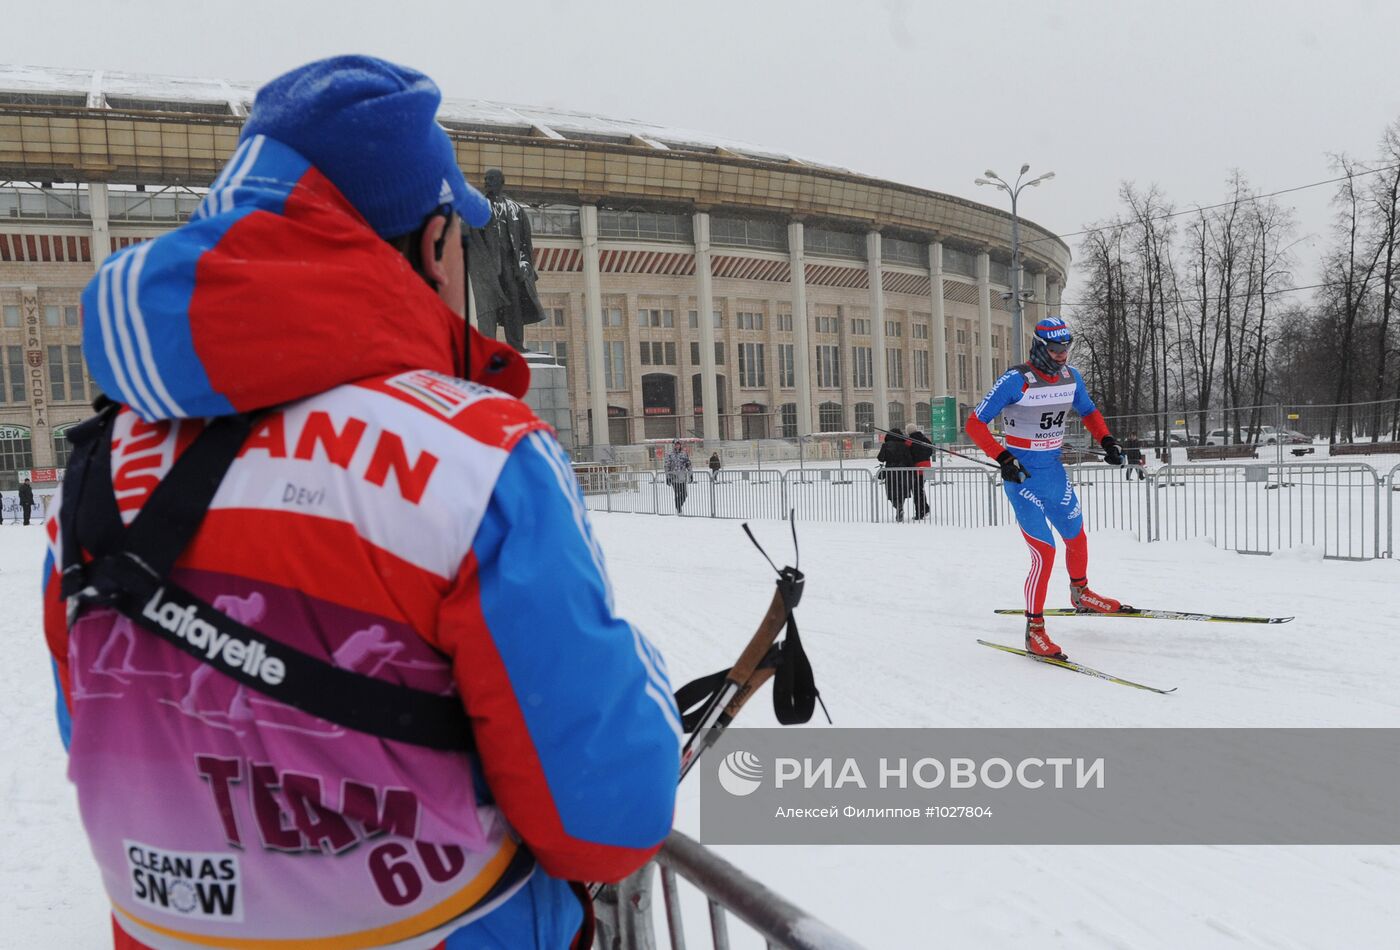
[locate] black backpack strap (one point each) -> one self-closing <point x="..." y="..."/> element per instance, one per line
<point x="130" y="573"/>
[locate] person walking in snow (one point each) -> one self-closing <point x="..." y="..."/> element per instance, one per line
<point x="714" y="465"/>
<point x="678" y="473"/>
<point x="1032" y="400"/>
<point x="898" y="458"/>
<point x="921" y="450"/>
<point x="377" y="470"/>
<point x="26" y="499"/>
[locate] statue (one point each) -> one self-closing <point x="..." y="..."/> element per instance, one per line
<point x="500" y="262"/>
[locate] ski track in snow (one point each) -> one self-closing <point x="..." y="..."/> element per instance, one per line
<point x="890" y="617"/>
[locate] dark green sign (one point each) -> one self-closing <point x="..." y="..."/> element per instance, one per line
<point x="943" y="420"/>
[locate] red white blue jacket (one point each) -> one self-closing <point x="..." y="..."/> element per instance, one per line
<point x="392" y="519"/>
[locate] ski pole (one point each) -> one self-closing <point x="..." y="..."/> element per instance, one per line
<point x="938" y="448"/>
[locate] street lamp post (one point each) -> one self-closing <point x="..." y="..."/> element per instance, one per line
<point x="1018" y="329"/>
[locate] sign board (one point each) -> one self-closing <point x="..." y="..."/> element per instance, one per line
<point x="943" y="420"/>
<point x="1293" y="416"/>
<point x="44" y="475"/>
<point x="14" y="432"/>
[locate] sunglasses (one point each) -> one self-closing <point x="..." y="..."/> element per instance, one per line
<point x="1058" y="348"/>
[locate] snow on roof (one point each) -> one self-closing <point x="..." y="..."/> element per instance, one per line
<point x="470" y="113"/>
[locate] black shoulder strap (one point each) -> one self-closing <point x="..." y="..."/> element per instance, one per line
<point x="130" y="573"/>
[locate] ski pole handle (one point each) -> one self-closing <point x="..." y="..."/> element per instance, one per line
<point x="752" y="685"/>
<point x="768" y="630"/>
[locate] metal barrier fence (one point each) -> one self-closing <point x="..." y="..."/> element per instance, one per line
<point x="624" y="911"/>
<point x="1263" y="508"/>
<point x="1394" y="486"/>
<point x="1253" y="508"/>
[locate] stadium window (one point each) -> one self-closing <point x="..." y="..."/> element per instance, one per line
<point x="862" y="363"/>
<point x="896" y="410"/>
<point x="894" y="367"/>
<point x="670" y="354"/>
<point x="751" y="368"/>
<point x="962" y="371"/>
<point x="829" y="367"/>
<point x="614" y="364"/>
<point x="719" y="353"/>
<point x="865" y="416"/>
<point x="75" y="372"/>
<point x="70" y="316"/>
<point x="16" y="451"/>
<point x="51" y="317"/>
<point x="787" y="367"/>
<point x="830" y="416"/>
<point x="11" y="316"/>
<point x="612" y="317"/>
<point x="14" y="356"/>
<point x="57" y="392"/>
<point x="788" y="420"/>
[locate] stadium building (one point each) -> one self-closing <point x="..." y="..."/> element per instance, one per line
<point x="831" y="300"/>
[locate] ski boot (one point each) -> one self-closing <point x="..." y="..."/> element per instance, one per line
<point x="1086" y="601"/>
<point x="1038" y="642"/>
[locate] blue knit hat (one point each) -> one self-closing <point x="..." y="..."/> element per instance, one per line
<point x="371" y="128"/>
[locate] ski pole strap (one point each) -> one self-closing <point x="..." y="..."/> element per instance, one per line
<point x="129" y="572"/>
<point x="794" y="688"/>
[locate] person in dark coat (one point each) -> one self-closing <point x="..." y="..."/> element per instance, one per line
<point x="1137" y="462"/>
<point x="897" y="456"/>
<point x="26" y="499"/>
<point x="714" y="465"/>
<point x="922" y="451"/>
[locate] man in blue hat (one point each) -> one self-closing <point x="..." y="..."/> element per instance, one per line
<point x="387" y="487"/>
<point x="1032" y="400"/>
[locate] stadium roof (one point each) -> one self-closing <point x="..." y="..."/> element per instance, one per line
<point x="48" y="85"/>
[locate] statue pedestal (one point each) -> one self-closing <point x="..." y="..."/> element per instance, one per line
<point x="549" y="396"/>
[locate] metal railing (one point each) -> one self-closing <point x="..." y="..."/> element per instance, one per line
<point x="625" y="911"/>
<point x="1265" y="507"/>
<point x="1253" y="508"/>
<point x="1394" y="486"/>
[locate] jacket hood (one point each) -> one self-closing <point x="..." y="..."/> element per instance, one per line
<point x="275" y="289"/>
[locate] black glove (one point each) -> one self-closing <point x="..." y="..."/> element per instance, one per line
<point x="1011" y="468"/>
<point x="1112" y="451"/>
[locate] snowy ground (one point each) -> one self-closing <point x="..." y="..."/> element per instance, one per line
<point x="889" y="618"/>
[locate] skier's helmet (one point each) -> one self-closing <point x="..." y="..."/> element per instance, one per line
<point x="1051" y="334"/>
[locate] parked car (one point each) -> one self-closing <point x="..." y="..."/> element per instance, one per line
<point x="1173" y="438"/>
<point x="1264" y="435"/>
<point x="1294" y="437"/>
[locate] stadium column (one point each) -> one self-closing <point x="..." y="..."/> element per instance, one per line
<point x="593" y="315"/>
<point x="1052" y="296"/>
<point x="984" y="311"/>
<point x="101" y="235"/>
<point x="938" y="340"/>
<point x="801" y="329"/>
<point x="877" y="317"/>
<point x="705" y="308"/>
<point x="1041" y="303"/>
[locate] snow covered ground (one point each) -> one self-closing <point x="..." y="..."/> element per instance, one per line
<point x="889" y="618"/>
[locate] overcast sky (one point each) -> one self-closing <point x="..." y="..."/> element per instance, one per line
<point x="926" y="93"/>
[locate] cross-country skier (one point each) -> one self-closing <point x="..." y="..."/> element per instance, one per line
<point x="1032" y="400"/>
